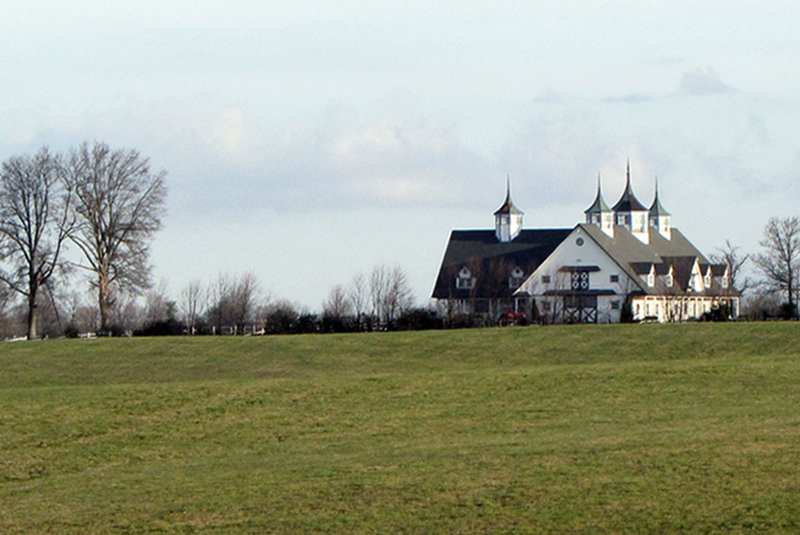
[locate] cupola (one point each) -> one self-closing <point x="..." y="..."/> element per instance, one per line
<point x="599" y="213"/>
<point x="630" y="213"/>
<point x="660" y="219"/>
<point x="508" y="218"/>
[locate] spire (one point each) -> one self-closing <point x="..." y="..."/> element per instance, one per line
<point x="508" y="218"/>
<point x="508" y="206"/>
<point x="630" y="213"/>
<point x="599" y="213"/>
<point x="659" y="218"/>
<point x="599" y="205"/>
<point x="656" y="209"/>
<point x="628" y="202"/>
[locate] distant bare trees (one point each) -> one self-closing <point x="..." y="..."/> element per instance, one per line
<point x="337" y="303"/>
<point x="118" y="204"/>
<point x="34" y="224"/>
<point x="370" y="302"/>
<point x="233" y="301"/>
<point x="390" y="294"/>
<point x="358" y="295"/>
<point x="780" y="261"/>
<point x="731" y="256"/>
<point x="190" y="304"/>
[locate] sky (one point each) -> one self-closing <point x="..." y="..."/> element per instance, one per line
<point x="308" y="141"/>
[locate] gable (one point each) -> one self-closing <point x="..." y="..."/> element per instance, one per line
<point x="491" y="262"/>
<point x="580" y="252"/>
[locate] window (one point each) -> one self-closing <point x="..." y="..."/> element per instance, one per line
<point x="465" y="283"/>
<point x="465" y="280"/>
<point x="615" y="304"/>
<point x="725" y="281"/>
<point x="651" y="279"/>
<point x="545" y="279"/>
<point x="515" y="282"/>
<point x="670" y="280"/>
<point x="614" y="278"/>
<point x="516" y="278"/>
<point x="579" y="280"/>
<point x="545" y="306"/>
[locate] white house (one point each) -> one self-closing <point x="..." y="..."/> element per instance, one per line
<point x="625" y="260"/>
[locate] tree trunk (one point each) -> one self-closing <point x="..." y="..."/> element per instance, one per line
<point x="32" y="332"/>
<point x="104" y="302"/>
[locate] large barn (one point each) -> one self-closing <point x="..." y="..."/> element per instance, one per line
<point x="624" y="262"/>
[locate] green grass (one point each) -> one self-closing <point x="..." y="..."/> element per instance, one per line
<point x="606" y="429"/>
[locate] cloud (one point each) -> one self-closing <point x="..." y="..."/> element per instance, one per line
<point x="226" y="161"/>
<point x="703" y="82"/>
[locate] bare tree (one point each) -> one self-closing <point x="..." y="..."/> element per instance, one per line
<point x="34" y="223"/>
<point x="399" y="298"/>
<point x="190" y="304"/>
<point x="119" y="203"/>
<point x="337" y="305"/>
<point x="157" y="305"/>
<point x="245" y="294"/>
<point x="735" y="261"/>
<point x="390" y="294"/>
<point x="233" y="301"/>
<point x="358" y="294"/>
<point x="219" y="303"/>
<point x="780" y="261"/>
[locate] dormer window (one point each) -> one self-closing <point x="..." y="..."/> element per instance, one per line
<point x="707" y="280"/>
<point x="725" y="282"/>
<point x="516" y="278"/>
<point x="651" y="279"/>
<point x="465" y="280"/>
<point x="670" y="280"/>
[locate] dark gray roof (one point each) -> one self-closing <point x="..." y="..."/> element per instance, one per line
<point x="599" y="205"/>
<point x="628" y="202"/>
<point x="480" y="250"/>
<point x="508" y="206"/>
<point x="657" y="208"/>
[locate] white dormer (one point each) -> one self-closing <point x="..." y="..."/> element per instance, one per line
<point x="516" y="278"/>
<point x="465" y="280"/>
<point x="696" y="278"/>
<point x="507" y="219"/>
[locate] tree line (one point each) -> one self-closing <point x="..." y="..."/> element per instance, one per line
<point x="109" y="204"/>
<point x="106" y="202"/>
<point x="237" y="304"/>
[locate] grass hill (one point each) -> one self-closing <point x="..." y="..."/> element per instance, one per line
<point x="595" y="429"/>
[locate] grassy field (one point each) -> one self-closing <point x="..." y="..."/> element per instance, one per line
<point x="595" y="429"/>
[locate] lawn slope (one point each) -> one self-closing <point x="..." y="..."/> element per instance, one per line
<point x="596" y="429"/>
